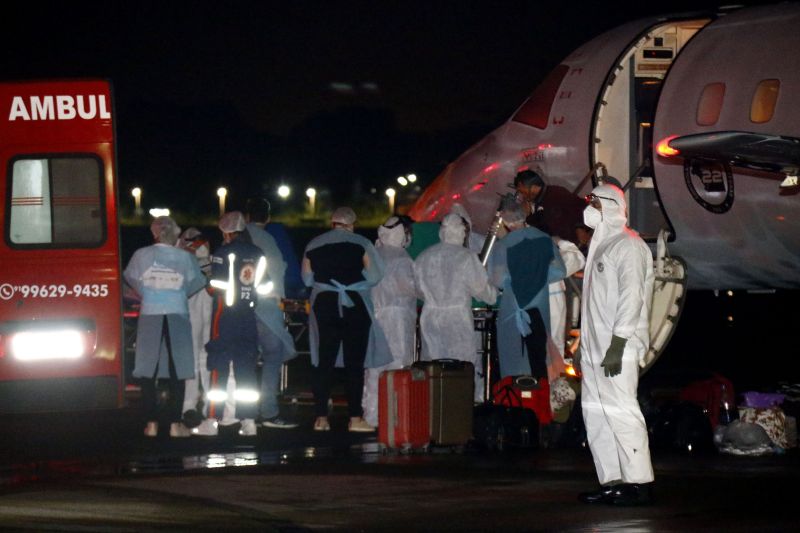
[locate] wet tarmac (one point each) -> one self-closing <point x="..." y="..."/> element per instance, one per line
<point x="97" y="473"/>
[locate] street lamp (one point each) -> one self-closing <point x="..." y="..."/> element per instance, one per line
<point x="402" y="181"/>
<point x="311" y="192"/>
<point x="136" y="192"/>
<point x="284" y="191"/>
<point x="412" y="178"/>
<point x="390" y="193"/>
<point x="222" y="192"/>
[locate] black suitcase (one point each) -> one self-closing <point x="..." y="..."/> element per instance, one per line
<point x="500" y="428"/>
<point x="452" y="385"/>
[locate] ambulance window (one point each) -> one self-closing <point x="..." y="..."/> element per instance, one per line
<point x="536" y="109"/>
<point x="56" y="203"/>
<point x="710" y="104"/>
<point x="763" y="105"/>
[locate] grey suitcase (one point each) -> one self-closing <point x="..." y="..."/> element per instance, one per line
<point x="452" y="384"/>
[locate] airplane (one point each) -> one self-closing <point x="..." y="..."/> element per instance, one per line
<point x="697" y="115"/>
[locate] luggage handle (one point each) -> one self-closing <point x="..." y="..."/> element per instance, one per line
<point x="448" y="361"/>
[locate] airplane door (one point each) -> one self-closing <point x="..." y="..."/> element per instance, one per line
<point x="623" y="126"/>
<point x="669" y="295"/>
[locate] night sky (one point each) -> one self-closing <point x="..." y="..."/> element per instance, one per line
<point x="344" y="95"/>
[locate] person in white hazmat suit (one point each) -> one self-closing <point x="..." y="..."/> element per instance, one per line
<point x="617" y="293"/>
<point x="200" y="304"/>
<point x="448" y="275"/>
<point x="395" y="301"/>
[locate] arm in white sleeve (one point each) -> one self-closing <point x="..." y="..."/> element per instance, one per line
<point x="571" y="255"/>
<point x="556" y="270"/>
<point x="478" y="281"/>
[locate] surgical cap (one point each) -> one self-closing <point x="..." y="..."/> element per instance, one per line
<point x="165" y="230"/>
<point x="344" y="215"/>
<point x="232" y="222"/>
<point x="513" y="214"/>
<point x="453" y="229"/>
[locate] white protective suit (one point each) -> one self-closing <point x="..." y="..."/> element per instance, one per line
<point x="617" y="292"/>
<point x="395" y="302"/>
<point x="574" y="262"/>
<point x="448" y="276"/>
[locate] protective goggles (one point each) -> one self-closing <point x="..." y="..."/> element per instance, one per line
<point x="403" y="220"/>
<point x="594" y="200"/>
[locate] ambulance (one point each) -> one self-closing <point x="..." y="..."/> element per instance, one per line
<point x="60" y="283"/>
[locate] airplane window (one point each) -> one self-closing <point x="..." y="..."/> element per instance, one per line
<point x="536" y="109"/>
<point x="56" y="203"/>
<point x="710" y="104"/>
<point x="766" y="96"/>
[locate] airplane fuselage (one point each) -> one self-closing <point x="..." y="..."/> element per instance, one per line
<point x="614" y="98"/>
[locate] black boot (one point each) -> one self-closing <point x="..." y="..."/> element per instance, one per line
<point x="630" y="494"/>
<point x="601" y="495"/>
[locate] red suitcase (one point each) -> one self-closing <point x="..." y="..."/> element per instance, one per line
<point x="527" y="392"/>
<point x="404" y="409"/>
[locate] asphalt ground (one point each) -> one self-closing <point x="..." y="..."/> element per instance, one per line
<point x="98" y="473"/>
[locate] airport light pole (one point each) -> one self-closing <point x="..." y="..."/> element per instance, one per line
<point x="222" y="192"/>
<point x="136" y="192"/>
<point x="311" y="192"/>
<point x="391" y="193"/>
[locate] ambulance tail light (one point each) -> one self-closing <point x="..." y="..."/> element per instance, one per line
<point x="664" y="149"/>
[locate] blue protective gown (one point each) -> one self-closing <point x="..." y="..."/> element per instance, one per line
<point x="164" y="276"/>
<point x="523" y="264"/>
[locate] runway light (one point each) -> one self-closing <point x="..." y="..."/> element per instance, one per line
<point x="664" y="149"/>
<point x="159" y="212"/>
<point x="284" y="191"/>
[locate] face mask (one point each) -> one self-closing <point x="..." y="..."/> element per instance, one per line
<point x="592" y="217"/>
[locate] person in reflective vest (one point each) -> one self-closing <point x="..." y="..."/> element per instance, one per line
<point x="238" y="275"/>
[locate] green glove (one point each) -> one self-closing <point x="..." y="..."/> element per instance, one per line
<point x="612" y="362"/>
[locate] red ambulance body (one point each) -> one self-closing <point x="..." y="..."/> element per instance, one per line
<point x="60" y="296"/>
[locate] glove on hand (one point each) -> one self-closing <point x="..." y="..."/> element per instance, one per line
<point x="612" y="362"/>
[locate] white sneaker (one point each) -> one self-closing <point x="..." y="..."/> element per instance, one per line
<point x="151" y="429"/>
<point x="359" y="425"/>
<point x="177" y="429"/>
<point x="322" y="424"/>
<point x="248" y="428"/>
<point x="207" y="428"/>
